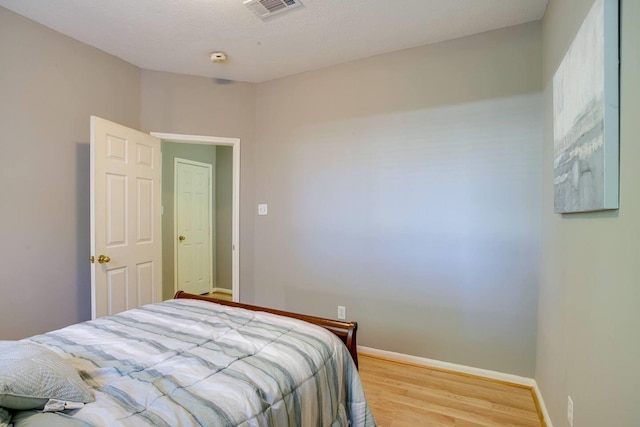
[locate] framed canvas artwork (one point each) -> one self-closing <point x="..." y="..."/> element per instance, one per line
<point x="586" y="116"/>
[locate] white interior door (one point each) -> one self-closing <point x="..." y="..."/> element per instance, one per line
<point x="193" y="226"/>
<point x="125" y="218"/>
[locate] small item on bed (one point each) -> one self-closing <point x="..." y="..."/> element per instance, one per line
<point x="31" y="375"/>
<point x="55" y="405"/>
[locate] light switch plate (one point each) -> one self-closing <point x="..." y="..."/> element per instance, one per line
<point x="342" y="312"/>
<point x="262" y="209"/>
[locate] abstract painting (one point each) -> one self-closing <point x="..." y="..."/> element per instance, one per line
<point x="586" y="116"/>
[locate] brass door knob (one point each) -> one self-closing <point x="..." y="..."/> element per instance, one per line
<point x="181" y="238"/>
<point x="103" y="259"/>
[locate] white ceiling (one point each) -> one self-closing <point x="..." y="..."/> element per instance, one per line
<point x="179" y="35"/>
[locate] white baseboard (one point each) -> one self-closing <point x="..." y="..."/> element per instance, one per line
<point x="543" y="407"/>
<point x="485" y="373"/>
<point x="223" y="291"/>
<point x="431" y="363"/>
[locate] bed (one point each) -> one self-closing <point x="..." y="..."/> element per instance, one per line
<point x="197" y="361"/>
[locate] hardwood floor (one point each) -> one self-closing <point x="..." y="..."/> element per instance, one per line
<point x="402" y="394"/>
<point x="219" y="295"/>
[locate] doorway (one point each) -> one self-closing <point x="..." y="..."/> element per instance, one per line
<point x="223" y="154"/>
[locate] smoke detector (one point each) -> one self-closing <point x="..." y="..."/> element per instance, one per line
<point x="218" y="57"/>
<point x="267" y="8"/>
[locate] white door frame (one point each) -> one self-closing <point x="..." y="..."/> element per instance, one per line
<point x="211" y="261"/>
<point x="235" y="207"/>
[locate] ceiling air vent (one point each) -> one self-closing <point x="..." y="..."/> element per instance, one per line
<point x="267" y="8"/>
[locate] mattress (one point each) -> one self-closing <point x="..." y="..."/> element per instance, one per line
<point x="195" y="363"/>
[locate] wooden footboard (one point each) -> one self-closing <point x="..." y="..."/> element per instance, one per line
<point x="346" y="331"/>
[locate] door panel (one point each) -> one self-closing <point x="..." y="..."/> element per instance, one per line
<point x="145" y="280"/>
<point x="144" y="220"/>
<point x="118" y="290"/>
<point x="125" y="218"/>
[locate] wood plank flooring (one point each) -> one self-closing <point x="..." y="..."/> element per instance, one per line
<point x="219" y="295"/>
<point x="402" y="394"/>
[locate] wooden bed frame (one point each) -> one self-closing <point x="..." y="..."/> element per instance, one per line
<point x="346" y="331"/>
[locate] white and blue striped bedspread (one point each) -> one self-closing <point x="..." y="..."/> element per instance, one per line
<point x="194" y="363"/>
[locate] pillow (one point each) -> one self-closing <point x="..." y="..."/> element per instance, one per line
<point x="30" y="375"/>
<point x="48" y="419"/>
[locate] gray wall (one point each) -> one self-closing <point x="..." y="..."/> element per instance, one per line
<point x="182" y="104"/>
<point x="224" y="198"/>
<point x="49" y="86"/>
<point x="171" y="150"/>
<point x="404" y="186"/>
<point x="407" y="188"/>
<point x="588" y="320"/>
